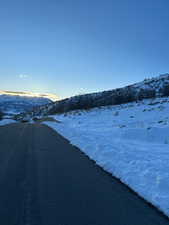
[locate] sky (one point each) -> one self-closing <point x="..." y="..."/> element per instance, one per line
<point x="69" y="47"/>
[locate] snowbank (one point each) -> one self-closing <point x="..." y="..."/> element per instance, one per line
<point x="130" y="141"/>
<point x="6" y="121"/>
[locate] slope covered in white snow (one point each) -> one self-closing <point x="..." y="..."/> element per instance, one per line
<point x="131" y="141"/>
<point x="6" y="122"/>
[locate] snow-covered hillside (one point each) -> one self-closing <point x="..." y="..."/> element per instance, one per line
<point x="14" y="104"/>
<point x="149" y="88"/>
<point x="131" y="141"/>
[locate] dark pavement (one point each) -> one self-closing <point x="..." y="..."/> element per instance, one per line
<point x="46" y="181"/>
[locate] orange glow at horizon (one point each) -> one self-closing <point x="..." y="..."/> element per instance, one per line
<point x="53" y="97"/>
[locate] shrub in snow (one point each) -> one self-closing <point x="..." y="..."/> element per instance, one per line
<point x="146" y="93"/>
<point x="116" y="113"/>
<point x="165" y="90"/>
<point x="122" y="126"/>
<point x="160" y="121"/>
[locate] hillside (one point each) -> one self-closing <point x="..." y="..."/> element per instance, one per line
<point x="149" y="88"/>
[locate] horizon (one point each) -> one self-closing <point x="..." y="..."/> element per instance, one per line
<point x="50" y="96"/>
<point x="55" y="97"/>
<point x="67" y="48"/>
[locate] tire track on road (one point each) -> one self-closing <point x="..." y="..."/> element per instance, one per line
<point x="31" y="214"/>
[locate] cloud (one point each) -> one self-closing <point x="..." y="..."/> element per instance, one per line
<point x="23" y="76"/>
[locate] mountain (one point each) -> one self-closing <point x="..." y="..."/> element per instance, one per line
<point x="149" y="88"/>
<point x="19" y="102"/>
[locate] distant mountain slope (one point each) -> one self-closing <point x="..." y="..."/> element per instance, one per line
<point x="53" y="97"/>
<point x="149" y="88"/>
<point x="14" y="104"/>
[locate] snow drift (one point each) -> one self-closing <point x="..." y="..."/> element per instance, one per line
<point x="130" y="141"/>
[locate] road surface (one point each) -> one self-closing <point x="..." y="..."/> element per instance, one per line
<point x="46" y="181"/>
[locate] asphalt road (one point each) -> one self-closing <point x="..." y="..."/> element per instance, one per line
<point x="46" y="181"/>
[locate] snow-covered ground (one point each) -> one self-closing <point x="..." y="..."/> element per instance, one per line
<point x="6" y="121"/>
<point x="131" y="141"/>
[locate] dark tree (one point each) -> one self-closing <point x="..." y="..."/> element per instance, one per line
<point x="165" y="90"/>
<point x="1" y="115"/>
<point x="146" y="93"/>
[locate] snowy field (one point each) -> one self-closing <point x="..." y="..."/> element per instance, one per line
<point x="131" y="141"/>
<point x="6" y="121"/>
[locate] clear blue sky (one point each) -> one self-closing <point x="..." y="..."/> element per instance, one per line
<point x="72" y="46"/>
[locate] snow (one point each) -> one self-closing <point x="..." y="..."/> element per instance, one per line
<point x="155" y="83"/>
<point x="6" y="122"/>
<point x="130" y="141"/>
<point x="14" y="104"/>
